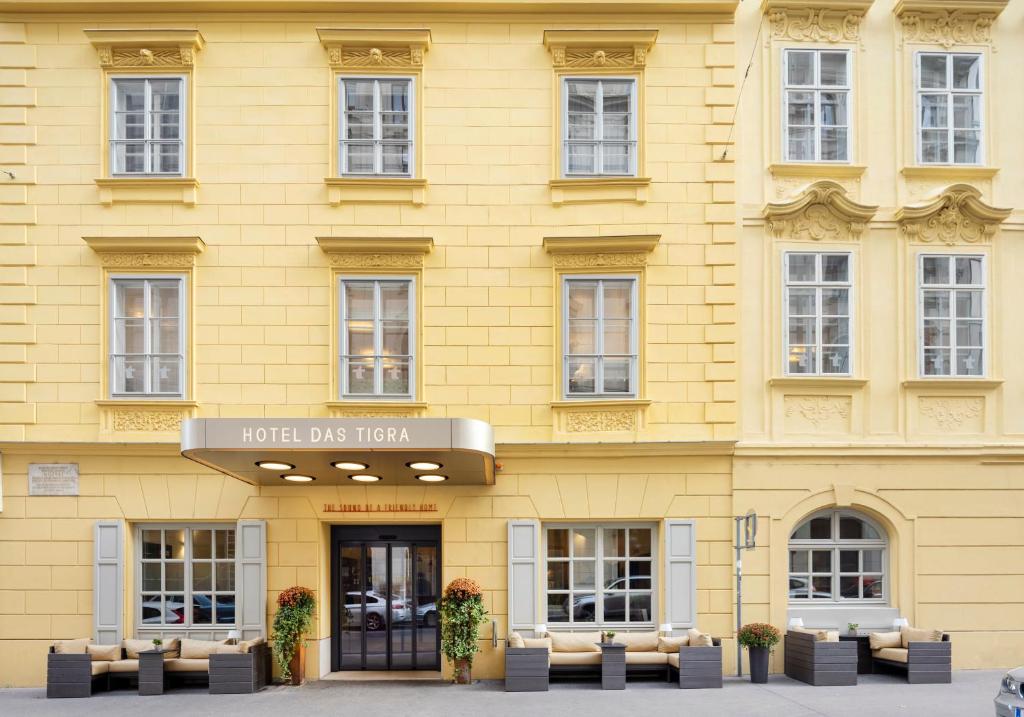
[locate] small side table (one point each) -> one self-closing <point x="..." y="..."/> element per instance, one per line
<point x="613" y="666"/>
<point x="864" y="666"/>
<point x="151" y="672"/>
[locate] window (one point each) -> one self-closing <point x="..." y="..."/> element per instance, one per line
<point x="377" y="337"/>
<point x="952" y="311"/>
<point x="376" y="126"/>
<point x="147" y="129"/>
<point x="837" y="556"/>
<point x="186" y="576"/>
<point x="599" y="127"/>
<point x="817" y="305"/>
<point x="600" y="353"/>
<point x="817" y="106"/>
<point x="147" y="338"/>
<point x="949" y="108"/>
<point x="599" y="574"/>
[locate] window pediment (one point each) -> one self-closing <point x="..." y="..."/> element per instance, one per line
<point x="597" y="252"/>
<point x="822" y="210"/>
<point x="599" y="49"/>
<point x="822" y="21"/>
<point x="956" y="215"/>
<point x="376" y="252"/>
<point x="948" y="22"/>
<point x="146" y="252"/>
<point x="141" y="49"/>
<point x="374" y="48"/>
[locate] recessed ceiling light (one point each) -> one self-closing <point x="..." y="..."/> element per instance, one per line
<point x="424" y="465"/>
<point x="364" y="478"/>
<point x="296" y="478"/>
<point x="349" y="466"/>
<point x="275" y="465"/>
<point x="432" y="478"/>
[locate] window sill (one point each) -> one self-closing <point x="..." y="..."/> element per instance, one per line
<point x="957" y="383"/>
<point x="816" y="169"/>
<point x="375" y="190"/>
<point x="595" y="190"/>
<point x="600" y="402"/>
<point x="817" y="382"/>
<point x="949" y="171"/>
<point x="143" y="416"/>
<point x="148" y="190"/>
<point x="376" y="409"/>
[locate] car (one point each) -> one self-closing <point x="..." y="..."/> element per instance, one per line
<point x="582" y="607"/>
<point x="1010" y="700"/>
<point x="426" y="614"/>
<point x="376" y="605"/>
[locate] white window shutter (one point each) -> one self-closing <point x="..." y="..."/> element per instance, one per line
<point x="681" y="573"/>
<point x="523" y="557"/>
<point x="251" y="578"/>
<point x="108" y="582"/>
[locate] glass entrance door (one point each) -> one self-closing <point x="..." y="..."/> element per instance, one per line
<point x="386" y="609"/>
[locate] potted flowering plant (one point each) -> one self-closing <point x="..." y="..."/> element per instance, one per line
<point x="461" y="612"/>
<point x="759" y="638"/>
<point x="294" y="616"/>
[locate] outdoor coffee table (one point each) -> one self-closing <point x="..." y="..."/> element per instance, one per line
<point x="613" y="665"/>
<point x="151" y="672"/>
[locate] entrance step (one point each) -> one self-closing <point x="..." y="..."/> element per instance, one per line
<point x="383" y="676"/>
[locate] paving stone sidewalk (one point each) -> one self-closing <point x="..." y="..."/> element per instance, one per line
<point x="876" y="696"/>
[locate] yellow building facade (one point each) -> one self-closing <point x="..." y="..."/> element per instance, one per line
<point x="495" y="236"/>
<point x="879" y="188"/>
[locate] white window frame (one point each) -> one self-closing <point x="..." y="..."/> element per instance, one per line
<point x="599" y="558"/>
<point x="599" y="354"/>
<point x="818" y="284"/>
<point x="835" y="545"/>
<point x="378" y="141"/>
<point x="951" y="288"/>
<point x="187" y="592"/>
<point x="114" y="141"/>
<point x="343" y="355"/>
<point x="634" y="131"/>
<point x="817" y="89"/>
<point x="950" y="92"/>
<point x="183" y="319"/>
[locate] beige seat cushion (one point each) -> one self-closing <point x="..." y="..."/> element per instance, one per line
<point x="185" y="664"/>
<point x="827" y="635"/>
<point x="646" y="658"/>
<point x="104" y="653"/>
<point x="699" y="639"/>
<point x="638" y="641"/>
<point x="673" y="659"/>
<point x="881" y="640"/>
<point x="913" y="634"/>
<point x="129" y="665"/>
<point x="896" y="654"/>
<point x="133" y="647"/>
<point x="71" y="647"/>
<point x="229" y="650"/>
<point x="672" y="644"/>
<point x="515" y="640"/>
<point x="100" y="667"/>
<point x="544" y="642"/>
<point x="575" y="658"/>
<point x="199" y="649"/>
<point x="248" y="645"/>
<point x="172" y="647"/>
<point x="575" y="641"/>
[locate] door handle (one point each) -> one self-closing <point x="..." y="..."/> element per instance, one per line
<point x="494" y="633"/>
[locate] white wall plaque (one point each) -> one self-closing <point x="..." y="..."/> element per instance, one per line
<point x="53" y="479"/>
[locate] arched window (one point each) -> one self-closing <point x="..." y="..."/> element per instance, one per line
<point x="837" y="556"/>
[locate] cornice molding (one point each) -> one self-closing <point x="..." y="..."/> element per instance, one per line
<point x="378" y="245"/>
<point x="146" y="252"/>
<point x="822" y="21"/>
<point x="815" y="169"/>
<point x="822" y="210"/>
<point x="948" y="172"/>
<point x="947" y="22"/>
<point x="626" y="7"/>
<point x="817" y="382"/>
<point x="602" y="244"/>
<point x="146" y="48"/>
<point x="956" y="215"/>
<point x="599" y="49"/>
<point x="374" y="48"/>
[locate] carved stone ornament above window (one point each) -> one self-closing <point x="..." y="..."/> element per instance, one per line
<point x="948" y="22"/>
<point x="599" y="49"/>
<point x="822" y="210"/>
<point x="600" y="252"/>
<point x="956" y="216"/>
<point x="822" y="21"/>
<point x="374" y="48"/>
<point x="146" y="49"/>
<point x="146" y="252"/>
<point x="376" y="253"/>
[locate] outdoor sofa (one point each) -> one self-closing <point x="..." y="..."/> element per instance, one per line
<point x="926" y="656"/>
<point x="818" y="658"/>
<point x="77" y="668"/>
<point x="693" y="660"/>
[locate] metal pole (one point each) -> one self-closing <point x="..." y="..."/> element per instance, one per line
<point x="739" y="599"/>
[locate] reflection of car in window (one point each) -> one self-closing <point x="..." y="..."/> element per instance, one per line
<point x="583" y="606"/>
<point x="376" y="606"/>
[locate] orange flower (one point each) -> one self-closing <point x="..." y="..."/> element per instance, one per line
<point x="461" y="589"/>
<point x="295" y="595"/>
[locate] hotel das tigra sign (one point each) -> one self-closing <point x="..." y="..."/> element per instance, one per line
<point x="352" y="433"/>
<point x="380" y="507"/>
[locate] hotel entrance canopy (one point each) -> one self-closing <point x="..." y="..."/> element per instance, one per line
<point x="390" y="451"/>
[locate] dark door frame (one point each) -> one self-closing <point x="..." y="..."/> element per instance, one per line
<point x="412" y="535"/>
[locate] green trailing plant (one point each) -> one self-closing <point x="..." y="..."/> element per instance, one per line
<point x="852" y="626"/>
<point x="294" y="616"/>
<point x="461" y="613"/>
<point x="759" y="634"/>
